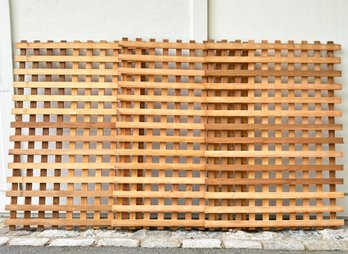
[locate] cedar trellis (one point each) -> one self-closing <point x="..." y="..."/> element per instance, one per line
<point x="215" y="135"/>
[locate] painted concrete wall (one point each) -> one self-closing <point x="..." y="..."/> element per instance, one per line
<point x="5" y="94"/>
<point x="310" y="20"/>
<point x="105" y="19"/>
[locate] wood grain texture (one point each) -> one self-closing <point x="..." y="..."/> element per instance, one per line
<point x="159" y="134"/>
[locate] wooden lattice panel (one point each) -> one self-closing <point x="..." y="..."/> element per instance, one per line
<point x="169" y="134"/>
<point x="160" y="174"/>
<point x="271" y="135"/>
<point x="64" y="142"/>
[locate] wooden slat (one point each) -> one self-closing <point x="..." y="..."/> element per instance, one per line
<point x="274" y="224"/>
<point x="162" y="45"/>
<point x="275" y="140"/>
<point x="266" y="73"/>
<point x="63" y="179"/>
<point x="273" y="154"/>
<point x="59" y="222"/>
<point x="193" y="99"/>
<point x="159" y="180"/>
<point x="268" y="86"/>
<point x="59" y="193"/>
<point x="274" y="126"/>
<point x="274" y="167"/>
<point x="66" y="45"/>
<point x="59" y="208"/>
<point x="161" y="58"/>
<point x="218" y="181"/>
<point x="54" y="84"/>
<point x="63" y="98"/>
<point x="224" y="59"/>
<point x="157" y="194"/>
<point x="96" y="72"/>
<point x="285" y="209"/>
<point x="273" y="100"/>
<point x="161" y="209"/>
<point x="59" y="111"/>
<point x="158" y="223"/>
<point x="62" y="165"/>
<point x="268" y="45"/>
<point x="98" y="59"/>
<point x="61" y="125"/>
<point x="302" y="113"/>
<point x="62" y="151"/>
<point x="270" y="59"/>
<point x="228" y="112"/>
<point x="164" y="72"/>
<point x="161" y="125"/>
<point x="229" y="86"/>
<point x="272" y="195"/>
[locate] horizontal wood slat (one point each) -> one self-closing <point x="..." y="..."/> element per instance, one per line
<point x="159" y="134"/>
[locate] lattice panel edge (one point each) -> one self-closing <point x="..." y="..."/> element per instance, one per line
<point x="170" y="134"/>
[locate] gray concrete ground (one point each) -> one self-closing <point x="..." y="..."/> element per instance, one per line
<point x="113" y="250"/>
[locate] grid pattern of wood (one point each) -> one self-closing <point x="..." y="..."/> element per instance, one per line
<point x="140" y="134"/>
<point x="160" y="175"/>
<point x="64" y="143"/>
<point x="271" y="135"/>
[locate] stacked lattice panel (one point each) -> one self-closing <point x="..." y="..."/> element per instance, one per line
<point x="271" y="158"/>
<point x="160" y="176"/>
<point x="64" y="142"/>
<point x="213" y="135"/>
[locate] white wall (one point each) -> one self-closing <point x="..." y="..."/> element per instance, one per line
<point x="5" y="94"/>
<point x="323" y="20"/>
<point x="108" y="19"/>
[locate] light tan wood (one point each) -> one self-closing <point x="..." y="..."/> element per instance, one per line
<point x="266" y="73"/>
<point x="65" y="72"/>
<point x="272" y="195"/>
<point x="83" y="103"/>
<point x="90" y="59"/>
<point x="64" y="84"/>
<point x="67" y="45"/>
<point x="63" y="98"/>
<point x="273" y="224"/>
<point x="143" y="134"/>
<point x="272" y="46"/>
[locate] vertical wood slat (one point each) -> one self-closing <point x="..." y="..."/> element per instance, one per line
<point x="181" y="135"/>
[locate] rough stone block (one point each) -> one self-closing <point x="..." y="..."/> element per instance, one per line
<point x="283" y="245"/>
<point x="153" y="242"/>
<point x="72" y="242"/>
<point x="326" y="245"/>
<point x="242" y="244"/>
<point x="29" y="241"/>
<point x="4" y="240"/>
<point x="201" y="243"/>
<point x="53" y="233"/>
<point x="119" y="242"/>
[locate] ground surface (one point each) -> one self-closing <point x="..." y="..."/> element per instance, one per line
<point x="113" y="250"/>
<point x="179" y="241"/>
